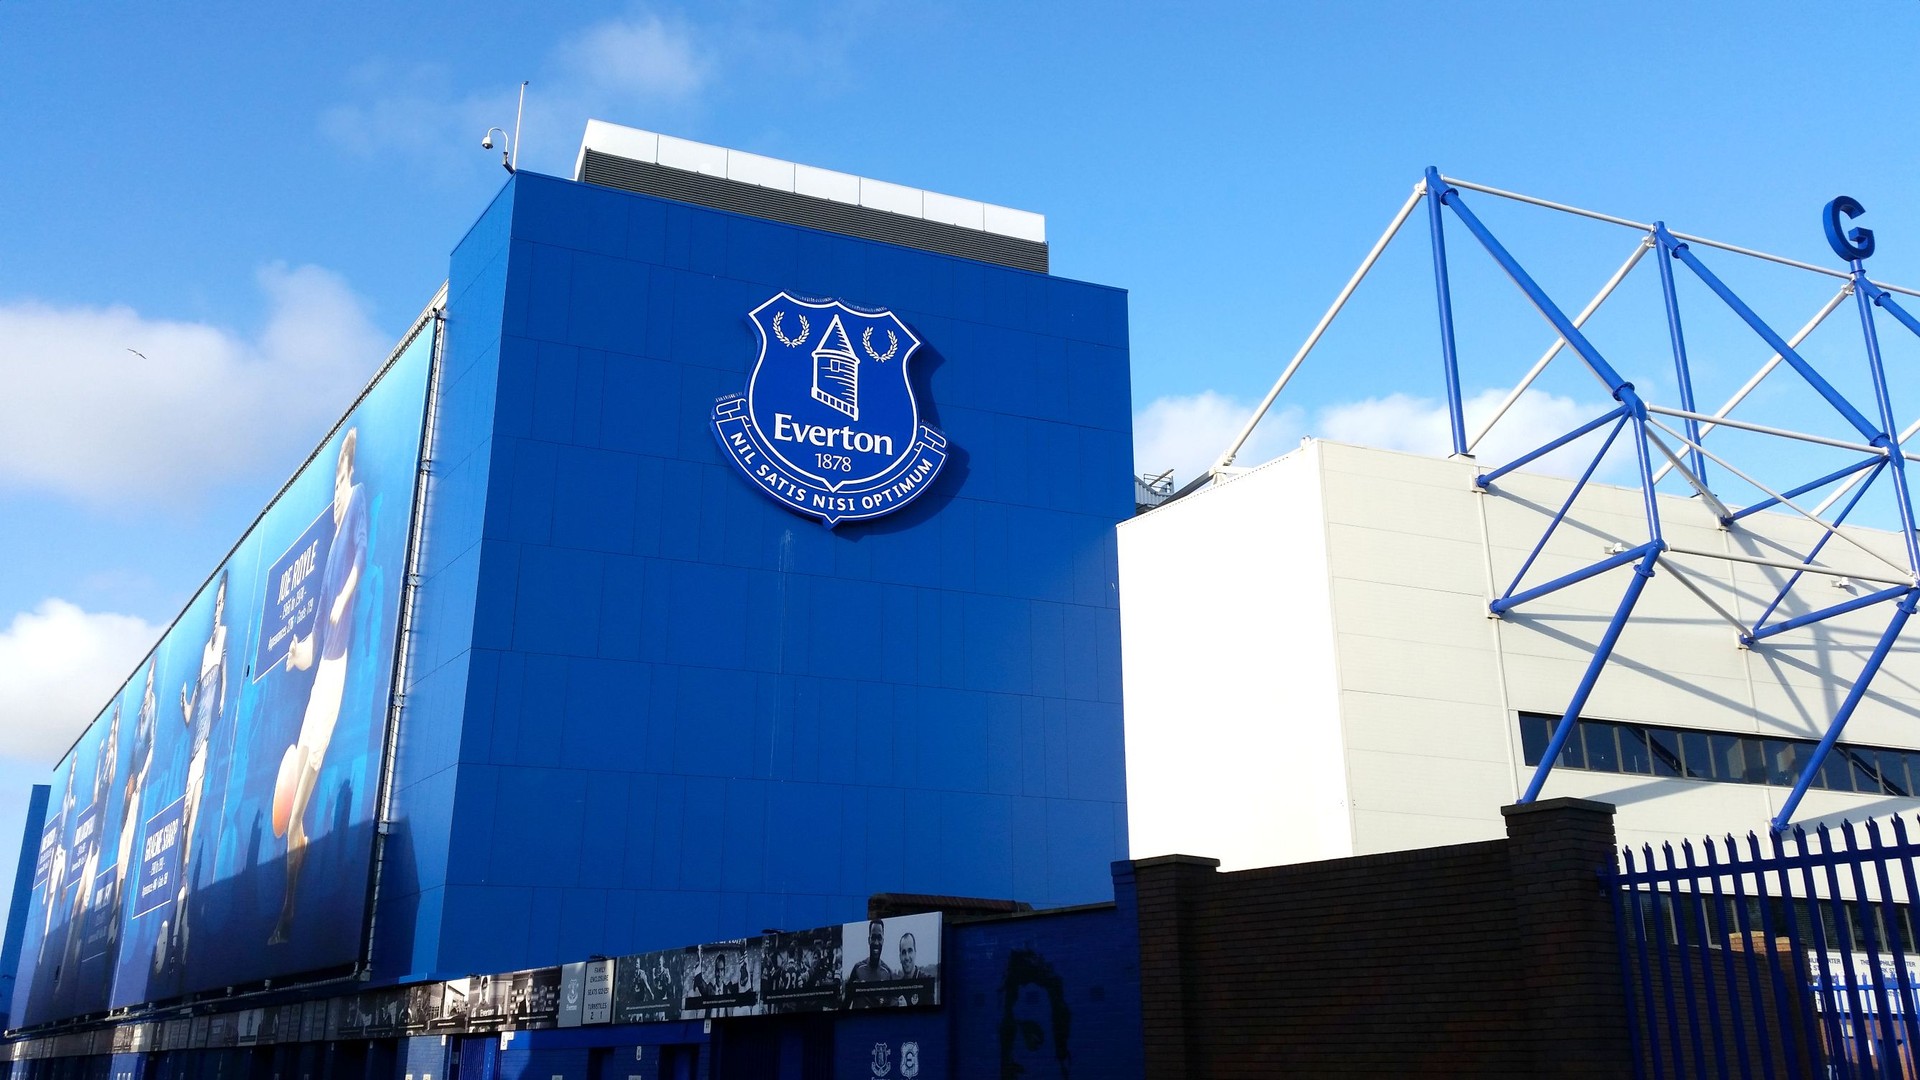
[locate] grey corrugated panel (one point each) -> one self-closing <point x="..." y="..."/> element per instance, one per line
<point x="814" y="213"/>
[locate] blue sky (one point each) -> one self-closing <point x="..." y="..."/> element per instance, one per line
<point x="259" y="198"/>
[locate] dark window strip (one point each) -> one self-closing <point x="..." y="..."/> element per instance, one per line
<point x="1646" y="750"/>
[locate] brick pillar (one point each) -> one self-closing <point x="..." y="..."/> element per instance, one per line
<point x="1569" y="953"/>
<point x="1168" y="890"/>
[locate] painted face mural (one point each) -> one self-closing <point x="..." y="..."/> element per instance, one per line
<point x="1035" y="1022"/>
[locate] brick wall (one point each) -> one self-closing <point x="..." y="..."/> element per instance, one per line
<point x="1488" y="959"/>
<point x="1762" y="1018"/>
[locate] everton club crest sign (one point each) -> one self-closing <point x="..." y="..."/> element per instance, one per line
<point x="829" y="425"/>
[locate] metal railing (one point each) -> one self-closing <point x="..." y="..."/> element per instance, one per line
<point x="1785" y="956"/>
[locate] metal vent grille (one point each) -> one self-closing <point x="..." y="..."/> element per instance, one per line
<point x="814" y="213"/>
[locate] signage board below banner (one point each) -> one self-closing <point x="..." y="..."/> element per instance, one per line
<point x="573" y="993"/>
<point x="598" y="1008"/>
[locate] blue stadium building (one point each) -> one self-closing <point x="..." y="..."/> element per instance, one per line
<point x="728" y="551"/>
<point x="649" y="704"/>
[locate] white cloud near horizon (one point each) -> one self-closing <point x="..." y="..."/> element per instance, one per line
<point x="1187" y="432"/>
<point x="1421" y="426"/>
<point x="59" y="665"/>
<point x="105" y="404"/>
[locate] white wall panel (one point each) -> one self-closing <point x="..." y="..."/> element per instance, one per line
<point x="1375" y="831"/>
<point x="1359" y="553"/>
<point x="1233" y="734"/>
<point x="1426" y="747"/>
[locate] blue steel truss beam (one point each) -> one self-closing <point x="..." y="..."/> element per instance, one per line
<point x="1622" y="390"/>
<point x="1884" y="300"/>
<point x="1633" y="409"/>
<point x="1642" y="573"/>
<point x="1878" y="657"/>
<point x="1506" y="604"/>
<point x="1548" y="447"/>
<point x="1853" y="246"/>
<point x="1760" y="633"/>
<point x="1564" y="506"/>
<point x="1896" y="461"/>
<point x="1538" y="296"/>
<point x="1449" y="357"/>
<point x="1759" y="326"/>
<point x="1787" y="587"/>
<point x="1696" y="460"/>
<point x="1801" y="489"/>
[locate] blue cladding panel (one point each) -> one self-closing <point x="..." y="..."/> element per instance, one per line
<point x="689" y="714"/>
<point x="482" y="297"/>
<point x="16" y="925"/>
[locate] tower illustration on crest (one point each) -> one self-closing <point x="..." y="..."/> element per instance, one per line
<point x="836" y="371"/>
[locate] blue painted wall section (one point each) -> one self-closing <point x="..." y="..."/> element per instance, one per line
<point x="1052" y="994"/>
<point x="651" y="707"/>
<point x="23" y="876"/>
<point x="425" y="1057"/>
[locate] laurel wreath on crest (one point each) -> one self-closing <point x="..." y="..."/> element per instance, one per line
<point x="795" y="342"/>
<point x="893" y="345"/>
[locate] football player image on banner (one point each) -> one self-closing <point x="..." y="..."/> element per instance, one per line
<point x="325" y="645"/>
<point x="216" y="821"/>
<point x="63" y="961"/>
<point x="800" y="971"/>
<point x="450" y="1015"/>
<point x="423" y="1001"/>
<point x="647" y="987"/>
<point x="722" y="979"/>
<point x="51" y="894"/>
<point x="84" y="863"/>
<point x="892" y="962"/>
<point x="533" y="999"/>
<point x="486" y="1009"/>
<point x="253" y="1027"/>
<point x="132" y="799"/>
<point x="99" y="913"/>
<point x="201" y="703"/>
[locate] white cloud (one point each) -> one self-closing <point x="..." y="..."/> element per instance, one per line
<point x="1187" y="433"/>
<point x="58" y="667"/>
<point x="623" y="67"/>
<point x="406" y="106"/>
<point x="1420" y="425"/>
<point x="85" y="415"/>
<point x="639" y="58"/>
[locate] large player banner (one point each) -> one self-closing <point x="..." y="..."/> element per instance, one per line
<point x="214" y="825"/>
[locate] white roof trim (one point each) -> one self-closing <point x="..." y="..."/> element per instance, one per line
<point x="635" y="144"/>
